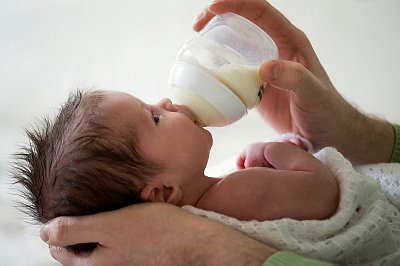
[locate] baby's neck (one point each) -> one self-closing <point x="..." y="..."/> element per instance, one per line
<point x="194" y="193"/>
<point x="203" y="195"/>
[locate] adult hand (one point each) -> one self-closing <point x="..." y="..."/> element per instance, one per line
<point x="151" y="234"/>
<point x="299" y="96"/>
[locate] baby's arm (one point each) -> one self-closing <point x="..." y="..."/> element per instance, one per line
<point x="253" y="155"/>
<point x="280" y="180"/>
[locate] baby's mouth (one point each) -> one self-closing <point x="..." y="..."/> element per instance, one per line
<point x="198" y="123"/>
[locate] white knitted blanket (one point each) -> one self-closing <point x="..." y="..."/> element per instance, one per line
<point x="365" y="230"/>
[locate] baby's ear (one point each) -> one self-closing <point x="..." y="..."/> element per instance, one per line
<point x="157" y="192"/>
<point x="152" y="192"/>
<point x="173" y="194"/>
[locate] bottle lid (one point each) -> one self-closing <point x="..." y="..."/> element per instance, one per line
<point x="212" y="102"/>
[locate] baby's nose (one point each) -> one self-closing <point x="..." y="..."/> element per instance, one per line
<point x="167" y="105"/>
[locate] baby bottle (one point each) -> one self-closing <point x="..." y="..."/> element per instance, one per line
<point x="216" y="71"/>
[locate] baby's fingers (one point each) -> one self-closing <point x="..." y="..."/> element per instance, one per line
<point x="240" y="160"/>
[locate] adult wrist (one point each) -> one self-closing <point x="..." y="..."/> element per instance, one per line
<point x="380" y="141"/>
<point x="368" y="139"/>
<point x="213" y="243"/>
<point x="396" y="147"/>
<point x="284" y="258"/>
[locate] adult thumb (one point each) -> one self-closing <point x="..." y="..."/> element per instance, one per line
<point x="291" y="76"/>
<point x="67" y="231"/>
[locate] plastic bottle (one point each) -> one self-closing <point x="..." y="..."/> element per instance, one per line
<point x="216" y="71"/>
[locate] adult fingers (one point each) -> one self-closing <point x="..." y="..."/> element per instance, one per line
<point x="250" y="9"/>
<point x="201" y="20"/>
<point x="259" y="11"/>
<point x="291" y="76"/>
<point x="65" y="231"/>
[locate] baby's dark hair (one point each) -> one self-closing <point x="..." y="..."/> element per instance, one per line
<point x="77" y="165"/>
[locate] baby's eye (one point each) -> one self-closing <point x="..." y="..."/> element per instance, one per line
<point x="155" y="117"/>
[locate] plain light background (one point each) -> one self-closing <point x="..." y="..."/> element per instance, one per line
<point x="51" y="47"/>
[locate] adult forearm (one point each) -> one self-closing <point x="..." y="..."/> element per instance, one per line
<point x="222" y="245"/>
<point x="367" y="139"/>
<point x="152" y="234"/>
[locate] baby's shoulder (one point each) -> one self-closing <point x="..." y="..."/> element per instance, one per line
<point x="248" y="173"/>
<point x="245" y="178"/>
<point x="239" y="194"/>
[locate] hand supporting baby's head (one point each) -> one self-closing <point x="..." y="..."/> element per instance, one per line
<point x="77" y="165"/>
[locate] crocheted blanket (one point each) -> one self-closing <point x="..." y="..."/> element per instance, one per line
<point x="365" y="230"/>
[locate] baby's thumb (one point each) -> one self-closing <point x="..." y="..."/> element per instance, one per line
<point x="290" y="76"/>
<point x="240" y="160"/>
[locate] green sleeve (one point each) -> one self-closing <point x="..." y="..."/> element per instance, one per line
<point x="396" y="150"/>
<point x="285" y="258"/>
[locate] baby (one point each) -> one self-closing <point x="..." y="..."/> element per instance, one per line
<point x="106" y="150"/>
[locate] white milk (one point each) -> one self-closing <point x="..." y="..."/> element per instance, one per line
<point x="242" y="80"/>
<point x="206" y="114"/>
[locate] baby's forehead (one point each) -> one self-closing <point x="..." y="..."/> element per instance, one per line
<point x="118" y="97"/>
<point x="121" y="110"/>
<point x="115" y="103"/>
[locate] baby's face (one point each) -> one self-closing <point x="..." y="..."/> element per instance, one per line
<point x="168" y="134"/>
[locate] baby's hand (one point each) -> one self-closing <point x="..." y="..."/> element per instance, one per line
<point x="298" y="141"/>
<point x="253" y="156"/>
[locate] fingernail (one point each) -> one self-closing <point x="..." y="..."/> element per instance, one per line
<point x="274" y="71"/>
<point x="44" y="233"/>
